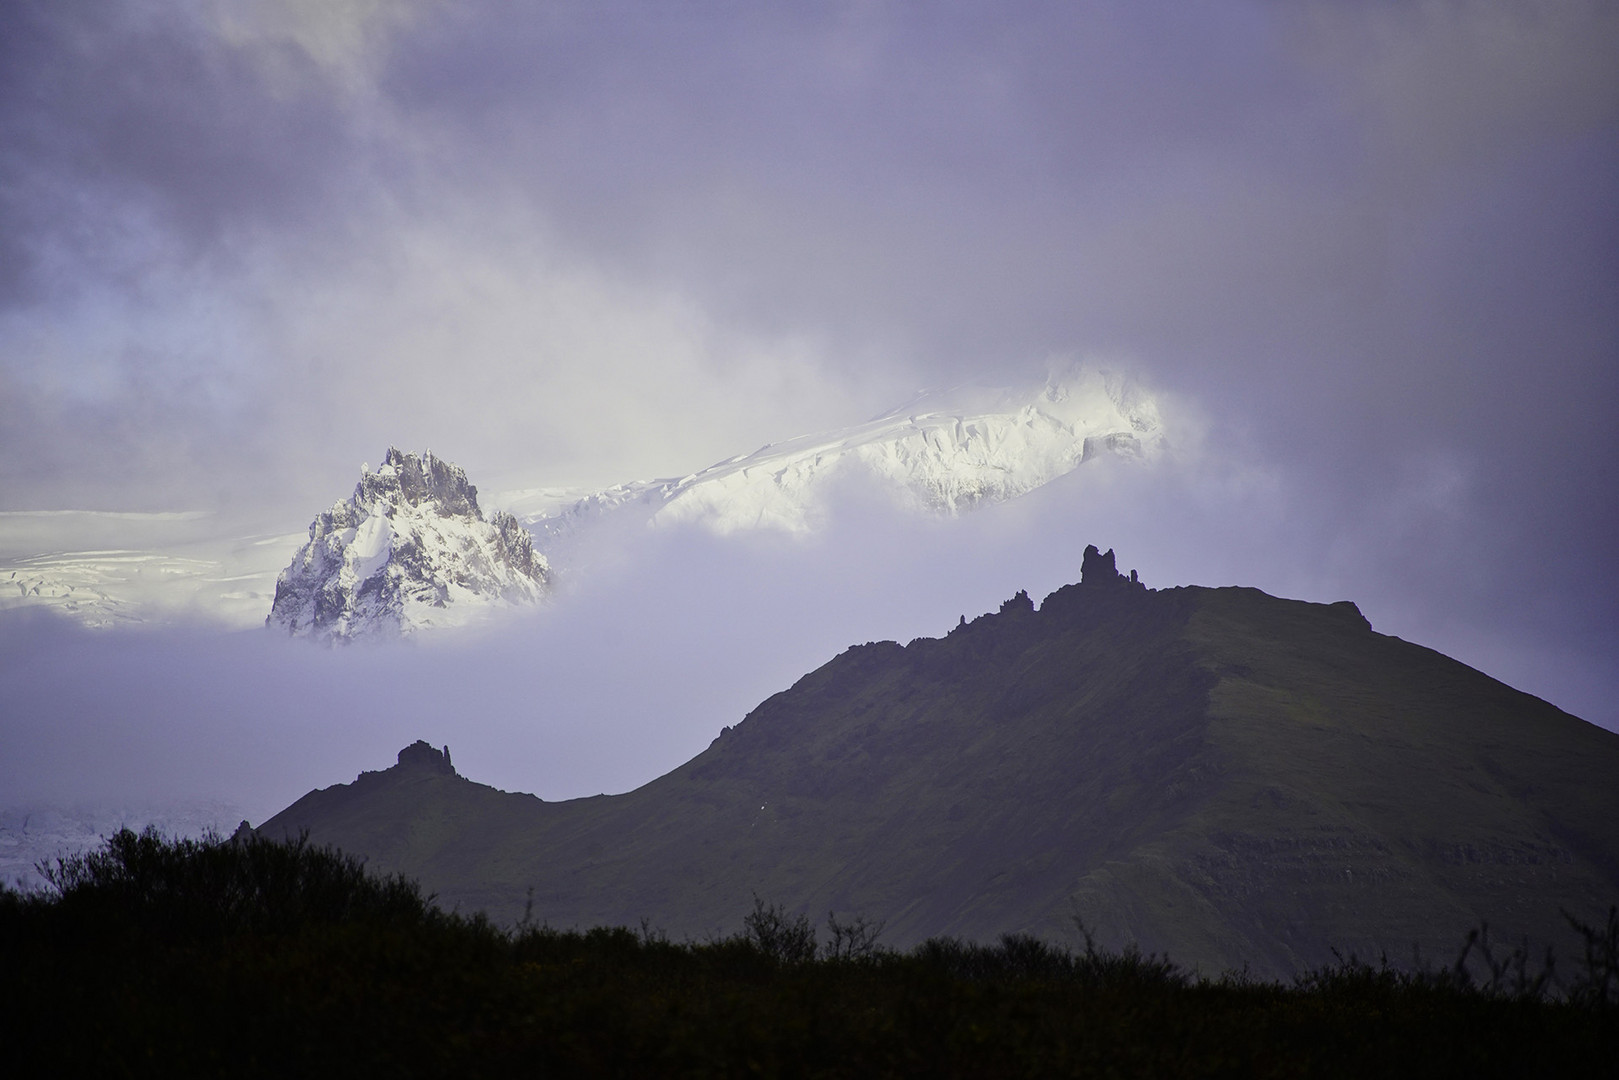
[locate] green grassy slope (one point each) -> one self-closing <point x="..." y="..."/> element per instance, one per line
<point x="1378" y="791"/>
<point x="1216" y="773"/>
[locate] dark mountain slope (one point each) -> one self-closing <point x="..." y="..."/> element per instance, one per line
<point x="1212" y="772"/>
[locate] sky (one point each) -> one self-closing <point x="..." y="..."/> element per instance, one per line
<point x="1365" y="254"/>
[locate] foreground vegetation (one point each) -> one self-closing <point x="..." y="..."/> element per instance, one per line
<point x="157" y="957"/>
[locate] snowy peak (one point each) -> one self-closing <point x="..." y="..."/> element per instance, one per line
<point x="410" y="549"/>
<point x="945" y="452"/>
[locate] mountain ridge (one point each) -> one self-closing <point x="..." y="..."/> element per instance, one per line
<point x="1222" y="775"/>
<point x="942" y="452"/>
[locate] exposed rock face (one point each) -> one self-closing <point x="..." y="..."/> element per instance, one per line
<point x="422" y="756"/>
<point x="1101" y="568"/>
<point x="409" y="550"/>
<point x="1019" y="604"/>
<point x="1097" y="568"/>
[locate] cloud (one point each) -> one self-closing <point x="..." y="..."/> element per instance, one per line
<point x="134" y="137"/>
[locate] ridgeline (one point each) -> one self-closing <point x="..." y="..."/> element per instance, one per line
<point x="1231" y="779"/>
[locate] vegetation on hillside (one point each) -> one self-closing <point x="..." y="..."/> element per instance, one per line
<point x="250" y="957"/>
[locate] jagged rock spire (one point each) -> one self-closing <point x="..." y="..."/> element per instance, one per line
<point x="1019" y="603"/>
<point x="1101" y="568"/>
<point x="1097" y="568"/>
<point x="417" y="480"/>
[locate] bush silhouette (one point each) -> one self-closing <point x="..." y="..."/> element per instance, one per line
<point x="210" y="888"/>
<point x="789" y="939"/>
<point x="854" y="939"/>
<point x="175" y="957"/>
<point x="1598" y="984"/>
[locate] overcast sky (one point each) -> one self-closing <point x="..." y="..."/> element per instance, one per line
<point x="1366" y="253"/>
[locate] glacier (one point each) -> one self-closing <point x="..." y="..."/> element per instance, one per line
<point x="103" y="569"/>
<point x="943" y="451"/>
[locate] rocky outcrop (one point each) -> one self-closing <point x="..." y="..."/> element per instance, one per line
<point x="1098" y="569"/>
<point x="421" y="756"/>
<point x="410" y="549"/>
<point x="1020" y="604"/>
<point x="1101" y="569"/>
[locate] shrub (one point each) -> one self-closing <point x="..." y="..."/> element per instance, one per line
<point x="1598" y="985"/>
<point x="852" y="940"/>
<point x="157" y="957"/>
<point x="210" y="888"/>
<point x="788" y="939"/>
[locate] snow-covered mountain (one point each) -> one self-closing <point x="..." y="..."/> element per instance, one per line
<point x="409" y="550"/>
<point x="412" y="549"/>
<point x="944" y="452"/>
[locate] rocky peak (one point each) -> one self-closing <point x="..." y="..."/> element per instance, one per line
<point x="409" y="550"/>
<point x="421" y="756"/>
<point x="1097" y="568"/>
<point x="419" y="481"/>
<point x="1100" y="568"/>
<point x="1019" y="604"/>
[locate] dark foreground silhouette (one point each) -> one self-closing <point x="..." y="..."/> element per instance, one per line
<point x="253" y="957"/>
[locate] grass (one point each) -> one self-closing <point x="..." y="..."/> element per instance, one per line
<point x="174" y="958"/>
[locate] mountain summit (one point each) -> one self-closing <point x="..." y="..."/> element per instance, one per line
<point x="410" y="549"/>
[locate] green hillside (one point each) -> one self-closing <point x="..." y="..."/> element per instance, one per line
<point x="1217" y="774"/>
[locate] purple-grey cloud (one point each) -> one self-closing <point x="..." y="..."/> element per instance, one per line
<point x="133" y="134"/>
